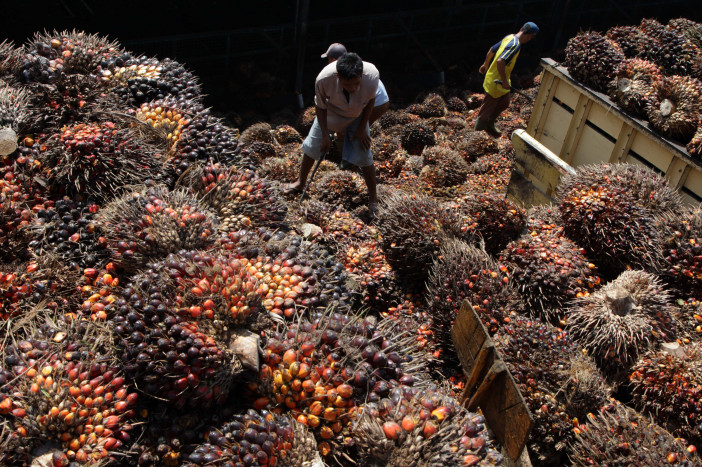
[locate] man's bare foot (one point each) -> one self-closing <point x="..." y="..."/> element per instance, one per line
<point x="293" y="188"/>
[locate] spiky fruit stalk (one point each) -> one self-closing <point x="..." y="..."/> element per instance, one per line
<point x="634" y="85"/>
<point x="625" y="318"/>
<point x="679" y="111"/>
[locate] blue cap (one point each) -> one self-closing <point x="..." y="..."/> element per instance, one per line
<point x="530" y="28"/>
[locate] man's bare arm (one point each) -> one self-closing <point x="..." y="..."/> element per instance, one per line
<point x="361" y="135"/>
<point x="488" y="59"/>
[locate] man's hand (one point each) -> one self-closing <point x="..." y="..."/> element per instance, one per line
<point x="363" y="137"/>
<point x="483" y="69"/>
<point x="326" y="142"/>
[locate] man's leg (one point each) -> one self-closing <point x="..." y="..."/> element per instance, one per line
<point x="501" y="104"/>
<point x="311" y="153"/>
<point x="378" y="112"/>
<point x="369" y="176"/>
<point x="485" y="112"/>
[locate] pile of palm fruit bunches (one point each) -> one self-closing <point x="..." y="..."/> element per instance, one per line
<point x="653" y="71"/>
<point x="163" y="302"/>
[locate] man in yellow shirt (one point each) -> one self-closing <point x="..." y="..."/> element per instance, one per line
<point x="498" y="65"/>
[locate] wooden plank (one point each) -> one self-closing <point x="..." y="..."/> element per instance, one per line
<point x="647" y="149"/>
<point x="555" y="127"/>
<point x="623" y="144"/>
<point x="575" y="128"/>
<point x="496" y="392"/>
<point x="677" y="172"/>
<point x="594" y="148"/>
<point x="547" y="104"/>
<point x="542" y="98"/>
<point x="693" y="182"/>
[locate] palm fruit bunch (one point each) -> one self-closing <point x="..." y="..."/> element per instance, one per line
<point x="676" y="111"/>
<point x="618" y="435"/>
<point x="631" y="40"/>
<point x="168" y="117"/>
<point x="66" y="388"/>
<point x="239" y="198"/>
<point x="286" y="134"/>
<point x="47" y="56"/>
<point x="427" y="428"/>
<point x="592" y="58"/>
<point x="549" y="270"/>
<point x="257" y="152"/>
<point x="150" y="223"/>
<point x="320" y="369"/>
<point x="70" y="230"/>
<point x="682" y="252"/>
<point x="433" y="105"/>
<point x="463" y="272"/>
<point x="340" y="187"/>
<point x="206" y="139"/>
<point x="256" y="438"/>
<point x="259" y="132"/>
<point x="455" y="104"/>
<point x="694" y="147"/>
<point x="671" y="51"/>
<point x="525" y="345"/>
<point x="634" y="85"/>
<point x="473" y="144"/>
<point x="613" y="212"/>
<point x="413" y="227"/>
<point x="667" y="387"/>
<point x="416" y="136"/>
<point x="281" y="169"/>
<point x="367" y="265"/>
<point x="305" y="120"/>
<point x="141" y="79"/>
<point x="623" y="319"/>
<point x="174" y="325"/>
<point x="494" y="218"/>
<point x="98" y="158"/>
<point x="443" y="167"/>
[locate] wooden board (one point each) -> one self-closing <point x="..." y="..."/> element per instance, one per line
<point x="536" y="172"/>
<point x="490" y="385"/>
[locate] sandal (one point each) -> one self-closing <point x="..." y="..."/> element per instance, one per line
<point x="290" y="190"/>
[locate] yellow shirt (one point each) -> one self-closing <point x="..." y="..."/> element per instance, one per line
<point x="508" y="50"/>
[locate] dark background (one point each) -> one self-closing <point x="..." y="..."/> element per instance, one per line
<point x="253" y="58"/>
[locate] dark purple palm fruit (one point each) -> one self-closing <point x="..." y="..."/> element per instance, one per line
<point x="672" y="51"/>
<point x="428" y="427"/>
<point x="70" y="230"/>
<point x="150" y="223"/>
<point x="623" y="319"/>
<point x="416" y="136"/>
<point x="255" y="438"/>
<point x="618" y="435"/>
<point x="463" y="272"/>
<point x="492" y="218"/>
<point x="240" y="199"/>
<point x="631" y="40"/>
<point x="666" y="386"/>
<point x="455" y="104"/>
<point x="591" y="58"/>
<point x="692" y="30"/>
<point x="675" y="111"/>
<point x="413" y="228"/>
<point x="634" y="85"/>
<point x="613" y="211"/>
<point x="393" y="118"/>
<point x="549" y="270"/>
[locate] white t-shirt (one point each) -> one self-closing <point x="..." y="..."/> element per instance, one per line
<point x="329" y="95"/>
